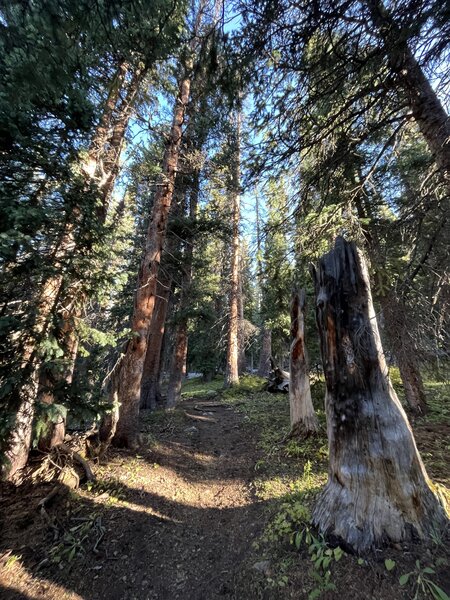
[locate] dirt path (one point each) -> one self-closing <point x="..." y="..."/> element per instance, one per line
<point x="181" y="527"/>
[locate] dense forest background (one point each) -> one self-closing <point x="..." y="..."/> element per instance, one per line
<point x="170" y="171"/>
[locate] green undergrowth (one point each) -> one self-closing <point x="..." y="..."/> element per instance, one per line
<point x="161" y="418"/>
<point x="438" y="398"/>
<point x="157" y="423"/>
<point x="289" y="473"/>
<point x="197" y="387"/>
<point x="437" y="390"/>
<point x="248" y="384"/>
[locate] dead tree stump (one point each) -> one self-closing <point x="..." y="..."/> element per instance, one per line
<point x="378" y="490"/>
<point x="303" y="418"/>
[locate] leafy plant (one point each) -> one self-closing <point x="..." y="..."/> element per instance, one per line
<point x="11" y="561"/>
<point x="322" y="556"/>
<point x="423" y="584"/>
<point x="74" y="541"/>
<point x="389" y="564"/>
<point x="287" y="520"/>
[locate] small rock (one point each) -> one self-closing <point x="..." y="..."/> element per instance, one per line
<point x="263" y="567"/>
<point x="191" y="430"/>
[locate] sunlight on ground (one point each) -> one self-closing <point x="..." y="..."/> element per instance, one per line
<point x="15" y="578"/>
<point x="181" y="479"/>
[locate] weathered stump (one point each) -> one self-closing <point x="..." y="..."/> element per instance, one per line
<point x="303" y="418"/>
<point x="378" y="490"/>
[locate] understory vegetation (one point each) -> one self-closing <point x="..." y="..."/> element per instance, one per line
<point x="286" y="556"/>
<point x="224" y="299"/>
<point x="290" y="473"/>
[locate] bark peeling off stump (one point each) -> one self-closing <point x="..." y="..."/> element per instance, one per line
<point x="377" y="489"/>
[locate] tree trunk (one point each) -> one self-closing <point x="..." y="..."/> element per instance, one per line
<point x="395" y="315"/>
<point x="303" y="418"/>
<point x="412" y="383"/>
<point x="179" y="357"/>
<point x="150" y="390"/>
<point x="18" y="444"/>
<point x="178" y="366"/>
<point x="241" y="327"/>
<point x="130" y="375"/>
<point x="232" y="366"/>
<point x="19" y="440"/>
<point x="378" y="490"/>
<point x="92" y="167"/>
<point x="423" y="101"/>
<point x="266" y="352"/>
<point x="110" y="160"/>
<point x="101" y="169"/>
<point x="56" y="429"/>
<point x="266" y="334"/>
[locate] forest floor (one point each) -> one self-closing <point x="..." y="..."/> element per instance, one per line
<point x="215" y="505"/>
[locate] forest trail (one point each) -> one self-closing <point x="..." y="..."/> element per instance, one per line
<point x="178" y="519"/>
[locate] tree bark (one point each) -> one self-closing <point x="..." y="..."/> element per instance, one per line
<point x="412" y="383"/>
<point x="303" y="418"/>
<point x="150" y="390"/>
<point x="232" y="365"/>
<point x="423" y="101"/>
<point x="179" y="357"/>
<point x="378" y="490"/>
<point x="395" y="315"/>
<point x="178" y="366"/>
<point x="266" y="352"/>
<point x="130" y="375"/>
<point x="241" y="326"/>
<point x="100" y="169"/>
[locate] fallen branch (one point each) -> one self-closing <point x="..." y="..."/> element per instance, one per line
<point x="201" y="418"/>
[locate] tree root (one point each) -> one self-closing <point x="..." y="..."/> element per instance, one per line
<point x="79" y="459"/>
<point x="45" y="501"/>
<point x="302" y="431"/>
<point x="58" y="464"/>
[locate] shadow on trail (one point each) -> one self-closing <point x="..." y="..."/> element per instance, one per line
<point x="154" y="547"/>
<point x="169" y="539"/>
<point x="14" y="595"/>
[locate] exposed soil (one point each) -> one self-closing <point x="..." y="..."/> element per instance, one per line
<point x="178" y="520"/>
